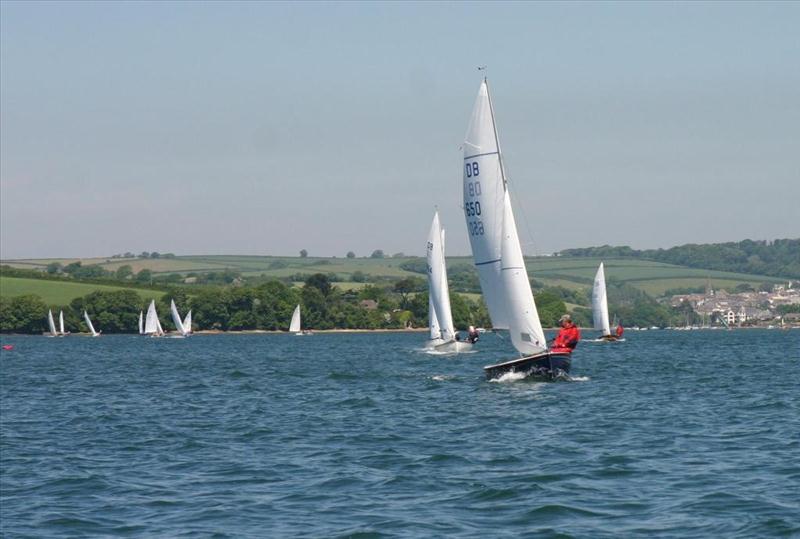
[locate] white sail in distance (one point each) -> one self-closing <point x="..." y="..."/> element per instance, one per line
<point x="493" y="232"/>
<point x="61" y="322"/>
<point x="600" y="302"/>
<point x="51" y="323"/>
<point x="294" y="326"/>
<point x="151" y="321"/>
<point x="89" y="324"/>
<point x="437" y="281"/>
<point x="176" y="318"/>
<point x="141" y="323"/>
<point x="187" y="322"/>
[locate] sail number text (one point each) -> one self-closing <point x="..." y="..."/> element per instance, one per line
<point x="473" y="209"/>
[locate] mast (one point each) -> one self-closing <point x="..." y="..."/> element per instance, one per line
<point x="496" y="136"/>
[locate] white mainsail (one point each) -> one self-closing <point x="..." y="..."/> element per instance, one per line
<point x="51" y="323"/>
<point x="600" y="302"/>
<point x="437" y="281"/>
<point x="294" y="326"/>
<point x="176" y="318"/>
<point x="493" y="233"/>
<point x="89" y="324"/>
<point x="187" y="322"/>
<point x="433" y="323"/>
<point x="141" y="323"/>
<point x="61" y="322"/>
<point x="151" y="322"/>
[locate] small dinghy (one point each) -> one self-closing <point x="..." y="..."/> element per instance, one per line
<point x="295" y="325"/>
<point x="600" y="306"/>
<point x="497" y="252"/>
<point x="90" y="325"/>
<point x="443" y="337"/>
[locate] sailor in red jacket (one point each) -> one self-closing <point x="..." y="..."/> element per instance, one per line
<point x="567" y="339"/>
<point x="620" y="330"/>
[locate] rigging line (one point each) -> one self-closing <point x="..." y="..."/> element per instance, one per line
<point x="515" y="200"/>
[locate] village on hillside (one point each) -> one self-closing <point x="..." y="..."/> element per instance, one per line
<point x="751" y="308"/>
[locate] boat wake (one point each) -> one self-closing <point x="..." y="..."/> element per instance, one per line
<point x="602" y="340"/>
<point x="432" y="352"/>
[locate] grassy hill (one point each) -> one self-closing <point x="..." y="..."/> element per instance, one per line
<point x="60" y="292"/>
<point x="653" y="278"/>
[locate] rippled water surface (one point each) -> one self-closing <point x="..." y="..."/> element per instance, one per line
<point x="689" y="434"/>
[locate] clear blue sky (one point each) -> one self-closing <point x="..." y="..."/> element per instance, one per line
<point x="266" y="128"/>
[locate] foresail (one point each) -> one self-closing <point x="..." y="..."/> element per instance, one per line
<point x="484" y="189"/>
<point x="438" y="280"/>
<point x="187" y="322"/>
<point x="600" y="302"/>
<point x="176" y="318"/>
<point x="524" y="326"/>
<point x="294" y="327"/>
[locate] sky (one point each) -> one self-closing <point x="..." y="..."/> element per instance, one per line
<point x="267" y="128"/>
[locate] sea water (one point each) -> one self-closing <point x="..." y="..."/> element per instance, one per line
<point x="689" y="434"/>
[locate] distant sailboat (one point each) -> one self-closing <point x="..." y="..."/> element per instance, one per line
<point x="51" y="324"/>
<point x="90" y="325"/>
<point x="295" y="324"/>
<point x="600" y="305"/>
<point x="152" y="326"/>
<point x="62" y="333"/>
<point x="439" y="294"/>
<point x="176" y="319"/>
<point x="141" y="323"/>
<point x="497" y="251"/>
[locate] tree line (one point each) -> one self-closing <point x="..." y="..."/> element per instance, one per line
<point x="778" y="258"/>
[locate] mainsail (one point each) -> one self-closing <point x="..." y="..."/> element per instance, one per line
<point x="151" y="321"/>
<point x="433" y="323"/>
<point x="89" y="324"/>
<point x="141" y="323"/>
<point x="600" y="302"/>
<point x="294" y="326"/>
<point x="493" y="233"/>
<point x="437" y="281"/>
<point x="61" y="322"/>
<point x="51" y="323"/>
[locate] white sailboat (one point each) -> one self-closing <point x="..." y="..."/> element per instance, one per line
<point x="497" y="251"/>
<point x="61" y="333"/>
<point x="51" y="324"/>
<point x="295" y="324"/>
<point x="600" y="305"/>
<point x="141" y="323"/>
<point x="152" y="326"/>
<point x="90" y="325"/>
<point x="176" y="319"/>
<point x="439" y="295"/>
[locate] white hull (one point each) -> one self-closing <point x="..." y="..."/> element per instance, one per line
<point x="449" y="347"/>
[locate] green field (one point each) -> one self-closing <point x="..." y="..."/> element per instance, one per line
<point x="569" y="272"/>
<point x="60" y="292"/>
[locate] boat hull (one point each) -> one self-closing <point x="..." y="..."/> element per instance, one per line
<point x="547" y="365"/>
<point x="609" y="338"/>
<point x="453" y="347"/>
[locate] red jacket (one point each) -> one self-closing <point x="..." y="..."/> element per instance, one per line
<point x="620" y="330"/>
<point x="567" y="339"/>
